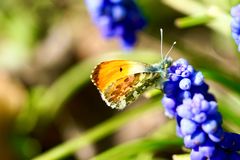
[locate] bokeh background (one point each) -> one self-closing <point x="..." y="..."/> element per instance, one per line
<point x="49" y="109"/>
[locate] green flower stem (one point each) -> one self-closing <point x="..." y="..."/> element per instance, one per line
<point x="98" y="132"/>
<point x="193" y="21"/>
<point x="229" y="107"/>
<point x="220" y="22"/>
<point x="189" y="7"/>
<point x="226" y="80"/>
<point x="144" y="156"/>
<point x="159" y="140"/>
<point x="181" y="157"/>
<point x="138" y="146"/>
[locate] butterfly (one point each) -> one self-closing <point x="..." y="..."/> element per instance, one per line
<point x="121" y="82"/>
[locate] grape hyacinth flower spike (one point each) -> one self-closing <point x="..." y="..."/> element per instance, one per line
<point x="235" y="25"/>
<point x="199" y="123"/>
<point x="117" y="18"/>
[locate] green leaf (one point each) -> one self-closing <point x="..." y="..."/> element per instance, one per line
<point x="157" y="141"/>
<point x="97" y="132"/>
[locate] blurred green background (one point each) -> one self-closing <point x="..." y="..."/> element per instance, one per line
<point x="49" y="109"/>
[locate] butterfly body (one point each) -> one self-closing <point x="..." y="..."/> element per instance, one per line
<point x="120" y="82"/>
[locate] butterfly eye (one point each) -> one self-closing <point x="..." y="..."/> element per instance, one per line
<point x="121" y="69"/>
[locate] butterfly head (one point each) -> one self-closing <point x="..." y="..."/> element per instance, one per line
<point x="166" y="63"/>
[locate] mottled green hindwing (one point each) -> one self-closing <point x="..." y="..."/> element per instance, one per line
<point x="126" y="90"/>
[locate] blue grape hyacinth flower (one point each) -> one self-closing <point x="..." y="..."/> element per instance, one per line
<point x="235" y="24"/>
<point x="198" y="121"/>
<point x="117" y="18"/>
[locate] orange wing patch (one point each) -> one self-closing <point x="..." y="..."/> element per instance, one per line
<point x="110" y="71"/>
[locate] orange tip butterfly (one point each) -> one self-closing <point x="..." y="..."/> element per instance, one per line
<point x="121" y="82"/>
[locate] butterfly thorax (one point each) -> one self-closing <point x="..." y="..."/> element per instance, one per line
<point x="161" y="67"/>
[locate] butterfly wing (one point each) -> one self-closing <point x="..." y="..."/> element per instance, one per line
<point x="121" y="82"/>
<point x="108" y="72"/>
<point x="127" y="89"/>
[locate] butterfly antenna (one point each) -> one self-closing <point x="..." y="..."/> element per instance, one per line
<point x="170" y="50"/>
<point x="161" y="35"/>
